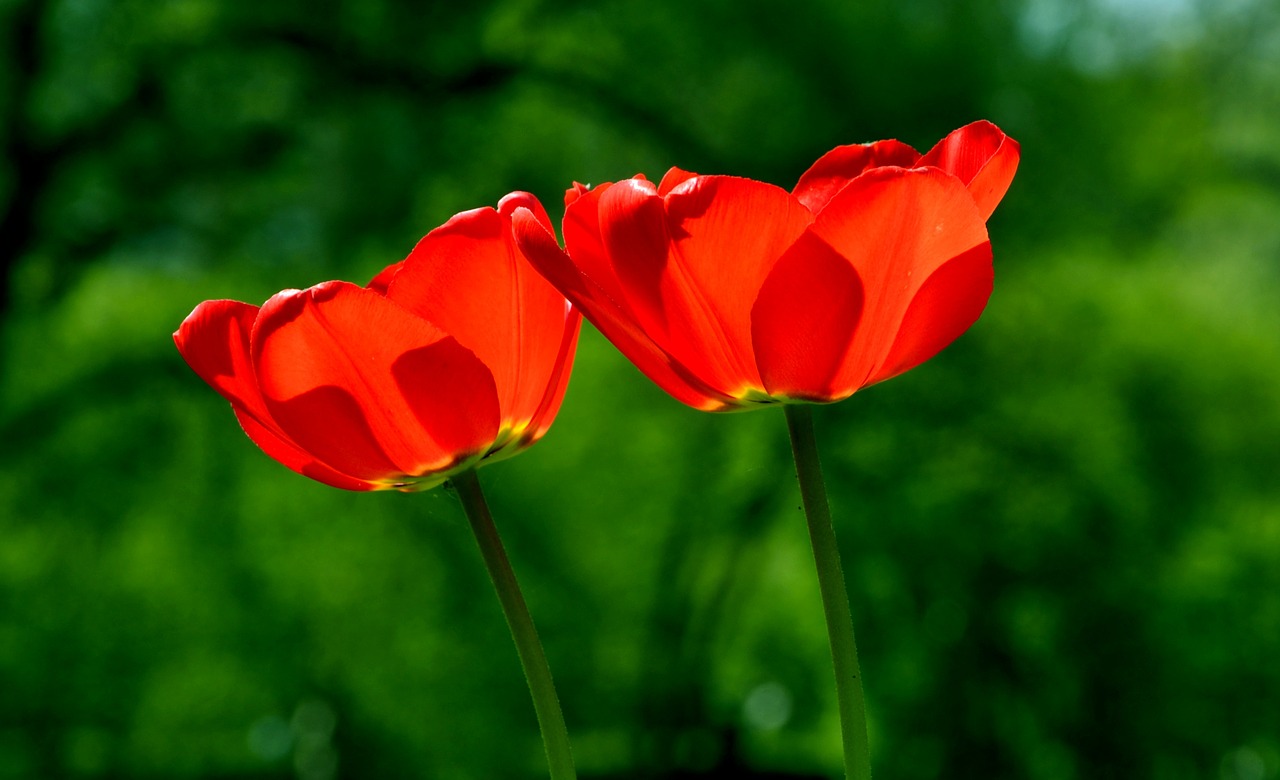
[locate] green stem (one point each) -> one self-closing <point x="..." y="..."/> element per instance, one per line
<point x="555" y="737"/>
<point x="835" y="599"/>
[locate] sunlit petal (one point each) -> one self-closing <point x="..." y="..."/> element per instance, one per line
<point x="592" y="296"/>
<point x="981" y="156"/>
<point x="726" y="234"/>
<point x="214" y="340"/>
<point x="690" y="265"/>
<point x="470" y="279"/>
<point x="945" y="306"/>
<point x="804" y="320"/>
<point x="382" y="281"/>
<point x="369" y="388"/>
<point x="897" y="227"/>
<point x="833" y="170"/>
<point x="288" y="454"/>
<point x="672" y="179"/>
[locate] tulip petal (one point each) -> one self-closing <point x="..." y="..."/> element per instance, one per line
<point x="451" y="393"/>
<point x="946" y="305"/>
<point x="560" y="372"/>
<point x="804" y="319"/>
<point x="634" y="241"/>
<point x="329" y="420"/>
<point x="981" y="156"/>
<point x="593" y="289"/>
<point x="692" y="263"/>
<point x="576" y="191"/>
<point x="470" y="279"/>
<point x="214" y="340"/>
<point x="673" y="178"/>
<point x="836" y="168"/>
<point x="897" y="227"/>
<point x="288" y="454"/>
<point x="571" y="320"/>
<point x="581" y="227"/>
<point x="382" y="281"/>
<point x="368" y="387"/>
<point x="727" y="233"/>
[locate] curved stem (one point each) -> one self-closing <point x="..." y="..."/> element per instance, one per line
<point x="835" y="598"/>
<point x="555" y="737"/>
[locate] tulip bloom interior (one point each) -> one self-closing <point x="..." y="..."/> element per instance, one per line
<point x="731" y="293"/>
<point x="457" y="354"/>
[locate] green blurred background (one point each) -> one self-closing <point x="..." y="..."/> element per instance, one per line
<point x="1062" y="536"/>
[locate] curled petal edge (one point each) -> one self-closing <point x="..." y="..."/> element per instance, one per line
<point x="981" y="156"/>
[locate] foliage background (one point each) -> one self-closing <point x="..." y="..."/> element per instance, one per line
<point x="1062" y="536"/>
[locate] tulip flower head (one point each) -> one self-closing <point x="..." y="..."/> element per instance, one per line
<point x="458" y="354"/>
<point x="731" y="293"/>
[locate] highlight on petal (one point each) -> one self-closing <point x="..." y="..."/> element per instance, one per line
<point x="981" y="156"/>
<point x="673" y="178"/>
<point x="214" y="340"/>
<point x="369" y="388"/>
<point x="833" y="170"/>
<point x="469" y="278"/>
<point x="897" y="227"/>
<point x="576" y="191"/>
<point x="594" y="290"/>
<point x="520" y="199"/>
<point x="804" y="320"/>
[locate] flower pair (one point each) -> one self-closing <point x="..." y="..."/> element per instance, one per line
<point x="728" y="293"/>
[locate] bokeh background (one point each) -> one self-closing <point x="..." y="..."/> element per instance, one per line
<point x="1062" y="536"/>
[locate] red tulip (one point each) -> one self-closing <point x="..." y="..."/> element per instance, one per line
<point x="457" y="354"/>
<point x="729" y="292"/>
